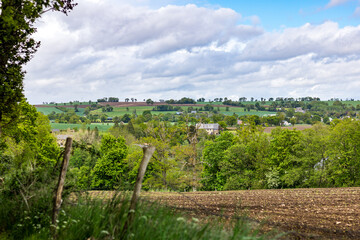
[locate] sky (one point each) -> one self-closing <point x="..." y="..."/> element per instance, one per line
<point x="163" y="49"/>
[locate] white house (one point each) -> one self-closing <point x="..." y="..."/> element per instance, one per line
<point x="213" y="128"/>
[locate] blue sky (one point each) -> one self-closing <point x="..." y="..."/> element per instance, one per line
<point x="281" y="13"/>
<point x="163" y="49"/>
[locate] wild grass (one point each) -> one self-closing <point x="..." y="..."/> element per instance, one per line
<point x="95" y="218"/>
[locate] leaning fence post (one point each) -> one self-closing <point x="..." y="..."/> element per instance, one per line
<point x="148" y="152"/>
<point x="58" y="191"/>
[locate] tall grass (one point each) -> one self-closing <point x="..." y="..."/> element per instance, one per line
<point x="100" y="219"/>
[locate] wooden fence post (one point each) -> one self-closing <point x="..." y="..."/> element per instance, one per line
<point x="148" y="152"/>
<point x="58" y="192"/>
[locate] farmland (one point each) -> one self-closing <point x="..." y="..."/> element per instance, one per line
<point x="102" y="127"/>
<point x="318" y="213"/>
<point x="47" y="110"/>
<point x="121" y="108"/>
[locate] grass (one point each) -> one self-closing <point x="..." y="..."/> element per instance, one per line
<point x="241" y="112"/>
<point x="68" y="104"/>
<point x="100" y="219"/>
<point x="48" y="110"/>
<point x="120" y="111"/>
<point x="80" y="112"/>
<point x="347" y="103"/>
<point x="102" y="127"/>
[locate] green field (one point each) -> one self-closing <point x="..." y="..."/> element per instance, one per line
<point x="241" y="112"/>
<point x="80" y="112"/>
<point x="48" y="110"/>
<point x="68" y="104"/>
<point x="119" y="111"/>
<point x="352" y="103"/>
<point x="102" y="127"/>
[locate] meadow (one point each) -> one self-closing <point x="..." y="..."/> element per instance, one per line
<point x="102" y="127"/>
<point x="48" y="110"/>
<point x="120" y="111"/>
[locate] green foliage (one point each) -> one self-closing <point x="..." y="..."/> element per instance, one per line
<point x="343" y="165"/>
<point x="284" y="147"/>
<point x="213" y="155"/>
<point x="17" y="19"/>
<point x="28" y="167"/>
<point x="110" y="171"/>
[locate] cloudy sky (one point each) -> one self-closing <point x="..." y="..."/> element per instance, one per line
<point x="162" y="49"/>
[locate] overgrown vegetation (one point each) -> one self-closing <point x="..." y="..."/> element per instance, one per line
<point x="96" y="218"/>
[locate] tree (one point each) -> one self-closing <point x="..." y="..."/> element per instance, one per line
<point x="149" y="101"/>
<point x="126" y="118"/>
<point x="27" y="169"/>
<point x="213" y="156"/>
<point x="344" y="165"/>
<point x="111" y="169"/>
<point x="147" y="115"/>
<point x="17" y="19"/>
<point x="283" y="155"/>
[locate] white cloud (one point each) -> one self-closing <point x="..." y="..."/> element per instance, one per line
<point x="323" y="40"/>
<point x="115" y="49"/>
<point x="357" y="12"/>
<point x="334" y="3"/>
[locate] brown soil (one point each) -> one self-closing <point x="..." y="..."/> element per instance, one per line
<point x="331" y="213"/>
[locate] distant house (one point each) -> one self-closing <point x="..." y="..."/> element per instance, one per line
<point x="109" y="119"/>
<point x="193" y="112"/>
<point x="61" y="139"/>
<point x="179" y="113"/>
<point x="213" y="128"/>
<point x="299" y="109"/>
<point x="286" y="123"/>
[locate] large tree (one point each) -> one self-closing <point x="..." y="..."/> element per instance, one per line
<point x="17" y="20"/>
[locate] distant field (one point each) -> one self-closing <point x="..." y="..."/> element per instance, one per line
<point x="67" y="104"/>
<point x="240" y="111"/>
<point x="80" y="112"/>
<point x="48" y="110"/>
<point x="353" y="103"/>
<point x="120" y="111"/>
<point x="102" y="127"/>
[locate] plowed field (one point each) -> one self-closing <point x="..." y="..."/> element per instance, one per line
<point x="331" y="213"/>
